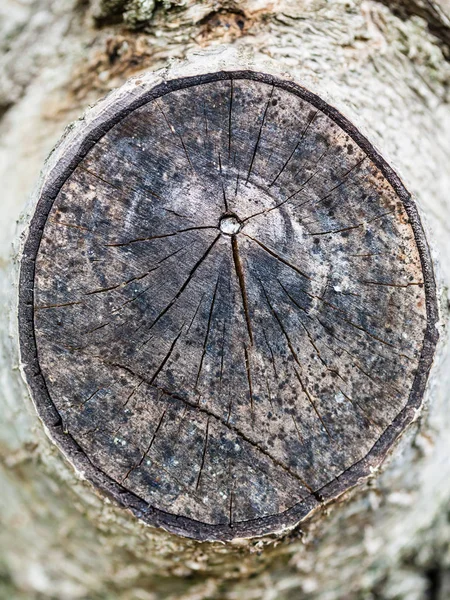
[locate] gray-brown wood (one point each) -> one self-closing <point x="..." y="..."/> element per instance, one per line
<point x="227" y="306"/>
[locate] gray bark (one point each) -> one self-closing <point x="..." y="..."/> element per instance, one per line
<point x="388" y="75"/>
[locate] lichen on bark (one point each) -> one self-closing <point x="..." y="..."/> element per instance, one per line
<point x="135" y="14"/>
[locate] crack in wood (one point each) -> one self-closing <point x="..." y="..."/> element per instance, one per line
<point x="146" y="453"/>
<point x="241" y="279"/>
<point x="195" y="313"/>
<point x="351" y="227"/>
<point x="322" y="360"/>
<point x="278" y="257"/>
<point x="255" y="150"/>
<point x="123" y="284"/>
<point x="327" y="303"/>
<point x="297" y="145"/>
<point x="355" y="361"/>
<point x="208" y="328"/>
<point x="197" y="484"/>
<point x="159" y="237"/>
<point x="295" y="356"/>
<point x="225" y="202"/>
<point x="185" y="284"/>
<point x="274" y="366"/>
<point x="116" y="187"/>
<point x="338" y="185"/>
<point x="208" y="413"/>
<point x="248" y="370"/>
<point x="166" y="358"/>
<point x="129" y="301"/>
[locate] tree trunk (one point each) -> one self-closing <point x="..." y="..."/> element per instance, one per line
<point x="385" y="69"/>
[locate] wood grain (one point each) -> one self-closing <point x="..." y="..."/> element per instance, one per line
<point x="227" y="306"/>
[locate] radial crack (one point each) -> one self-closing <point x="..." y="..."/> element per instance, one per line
<point x="136" y="278"/>
<point x="166" y="358"/>
<point x="158" y="237"/>
<point x="224" y="422"/>
<point x="249" y="376"/>
<point x="241" y="279"/>
<point x="208" y="329"/>
<point x="185" y="284"/>
<point x="294" y="355"/>
<point x="308" y="125"/>
<point x="259" y="135"/>
<point x="278" y="257"/>
<point x="205" y="447"/>
<point x="144" y="456"/>
<point x="116" y="187"/>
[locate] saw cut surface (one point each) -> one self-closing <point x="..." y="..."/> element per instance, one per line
<point x="230" y="306"/>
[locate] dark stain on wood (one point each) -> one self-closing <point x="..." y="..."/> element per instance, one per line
<point x="227" y="305"/>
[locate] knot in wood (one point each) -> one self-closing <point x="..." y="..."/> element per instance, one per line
<point x="227" y="304"/>
<point x="230" y="224"/>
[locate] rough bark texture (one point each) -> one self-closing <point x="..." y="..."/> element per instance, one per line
<point x="390" y="77"/>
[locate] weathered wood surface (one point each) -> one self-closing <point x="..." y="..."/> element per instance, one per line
<point x="227" y="305"/>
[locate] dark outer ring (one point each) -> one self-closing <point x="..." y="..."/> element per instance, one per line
<point x="47" y="411"/>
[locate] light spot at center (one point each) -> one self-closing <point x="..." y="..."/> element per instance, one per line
<point x="230" y="225"/>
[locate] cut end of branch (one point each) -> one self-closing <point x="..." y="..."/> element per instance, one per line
<point x="233" y="304"/>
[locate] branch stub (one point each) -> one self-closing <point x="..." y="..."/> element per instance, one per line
<point x="227" y="305"/>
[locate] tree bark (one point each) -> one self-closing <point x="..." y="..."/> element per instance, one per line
<point x="387" y="73"/>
